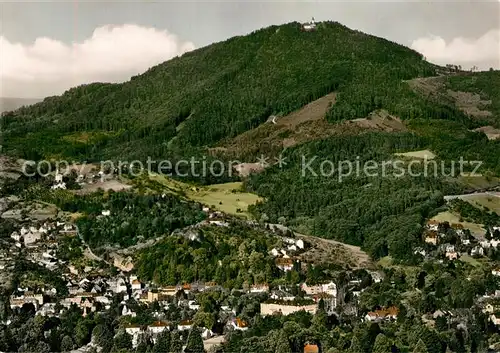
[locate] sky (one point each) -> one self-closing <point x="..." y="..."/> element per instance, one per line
<point x="47" y="47"/>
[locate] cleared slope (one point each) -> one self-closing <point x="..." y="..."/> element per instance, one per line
<point x="306" y="124"/>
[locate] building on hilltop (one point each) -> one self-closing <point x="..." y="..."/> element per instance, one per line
<point x="309" y="26"/>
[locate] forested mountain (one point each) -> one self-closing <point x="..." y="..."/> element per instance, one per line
<point x="220" y="91"/>
<point x="203" y="98"/>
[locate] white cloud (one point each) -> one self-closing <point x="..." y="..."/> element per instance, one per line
<point x="112" y="54"/>
<point x="483" y="52"/>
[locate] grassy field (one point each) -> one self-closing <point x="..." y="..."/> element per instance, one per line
<point x="447" y="216"/>
<point x="479" y="182"/>
<point x="470" y="260"/>
<point x="487" y="201"/>
<point x="385" y="262"/>
<point x="422" y="154"/>
<point x="226" y="197"/>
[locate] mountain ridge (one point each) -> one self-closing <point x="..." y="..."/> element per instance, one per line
<point x="225" y="89"/>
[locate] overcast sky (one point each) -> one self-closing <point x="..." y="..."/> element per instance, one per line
<point x="48" y="47"/>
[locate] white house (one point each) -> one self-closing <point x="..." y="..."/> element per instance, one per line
<point x="329" y="288"/>
<point x="309" y="26"/>
<point x="157" y="327"/>
<point x="16" y="236"/>
<point x="432" y="225"/>
<point x="420" y="251"/>
<point x="119" y="286"/>
<point x="284" y="264"/>
<point x="134" y="331"/>
<point x="477" y="250"/>
<point x="68" y="227"/>
<point x="128" y="312"/>
<point x="376" y="276"/>
<point x="206" y="333"/>
<point x="31" y="238"/>
<point x="185" y="325"/>
<point x="47" y="309"/>
<point x="136" y="285"/>
<point x="60" y="185"/>
<point x="382" y="314"/>
<point x="106" y="212"/>
<point x="495" y="319"/>
<point x="58" y="178"/>
<point x="219" y="223"/>
<point x="259" y="288"/>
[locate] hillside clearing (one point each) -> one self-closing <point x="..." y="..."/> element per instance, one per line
<point x="332" y="251"/>
<point x="490" y="132"/>
<point x="303" y="125"/>
<point x="114" y="184"/>
<point x="476" y="229"/>
<point x="479" y="182"/>
<point x="422" y="154"/>
<point x="226" y="197"/>
<point x="437" y="88"/>
<point x="489" y="200"/>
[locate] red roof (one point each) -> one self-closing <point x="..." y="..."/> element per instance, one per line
<point x="241" y="323"/>
<point x="311" y="348"/>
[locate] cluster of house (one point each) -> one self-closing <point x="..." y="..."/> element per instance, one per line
<point x="40" y="242"/>
<point x="434" y="235"/>
<point x="31" y="236"/>
<point x="282" y="302"/>
<point x="82" y="178"/>
<point x="286" y="257"/>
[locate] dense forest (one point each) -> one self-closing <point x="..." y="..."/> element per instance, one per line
<point x="228" y="256"/>
<point x="133" y="216"/>
<point x="220" y="91"/>
<point x="382" y="213"/>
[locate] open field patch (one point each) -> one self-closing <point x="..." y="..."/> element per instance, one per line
<point x="470" y="260"/>
<point x="226" y="197"/>
<point x="113" y="184"/>
<point x="328" y="251"/>
<point x="422" y="154"/>
<point x="479" y="182"/>
<point x="476" y="229"/>
<point x="490" y="132"/>
<point x="487" y="200"/>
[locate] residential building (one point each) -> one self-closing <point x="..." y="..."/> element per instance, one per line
<point x="284" y="264"/>
<point x="259" y="288"/>
<point x="383" y="314"/>
<point x="311" y="348"/>
<point x="286" y="308"/>
<point x="239" y="324"/>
